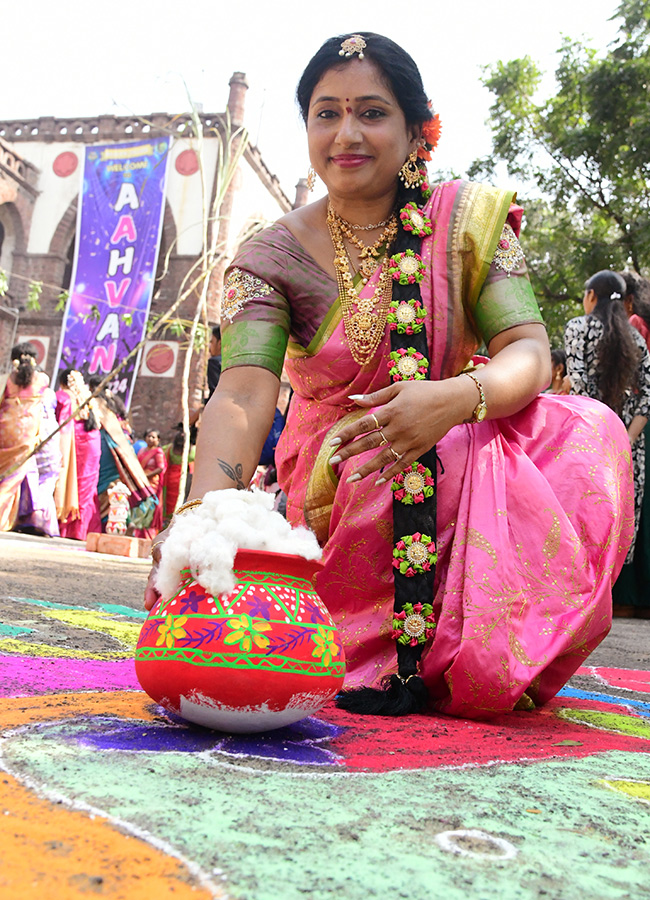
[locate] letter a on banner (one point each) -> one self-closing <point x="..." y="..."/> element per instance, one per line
<point x="119" y="224"/>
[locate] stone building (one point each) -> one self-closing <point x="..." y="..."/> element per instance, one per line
<point x="40" y="163"/>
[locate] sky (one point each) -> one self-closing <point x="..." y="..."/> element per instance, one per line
<point x="79" y="58"/>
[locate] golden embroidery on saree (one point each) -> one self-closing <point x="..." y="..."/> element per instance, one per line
<point x="240" y="287"/>
<point x="508" y="256"/>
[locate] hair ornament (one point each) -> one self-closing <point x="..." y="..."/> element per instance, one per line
<point x="615" y="296"/>
<point x="354" y="44"/>
<point x="430" y="135"/>
<point x="15" y="363"/>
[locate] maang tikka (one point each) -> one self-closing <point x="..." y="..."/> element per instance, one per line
<point x="354" y="44"/>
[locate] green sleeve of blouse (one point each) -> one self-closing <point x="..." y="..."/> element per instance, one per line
<point x="255" y="313"/>
<point x="505" y="302"/>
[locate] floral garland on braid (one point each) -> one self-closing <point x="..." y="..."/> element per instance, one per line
<point x="414" y="493"/>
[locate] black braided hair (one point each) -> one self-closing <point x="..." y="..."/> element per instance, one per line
<point x="618" y="353"/>
<point x="25" y="355"/>
<point x="406" y="692"/>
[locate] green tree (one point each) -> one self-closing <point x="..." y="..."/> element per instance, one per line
<point x="584" y="156"/>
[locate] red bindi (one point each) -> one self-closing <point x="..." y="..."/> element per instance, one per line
<point x="348" y="109"/>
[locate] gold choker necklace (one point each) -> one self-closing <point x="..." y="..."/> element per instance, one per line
<point x="381" y="224"/>
<point x="364" y="318"/>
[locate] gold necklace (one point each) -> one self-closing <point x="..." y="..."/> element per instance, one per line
<point x="368" y="253"/>
<point x="381" y="224"/>
<point x="364" y="318"/>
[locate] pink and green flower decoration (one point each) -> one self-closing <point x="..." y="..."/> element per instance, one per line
<point x="414" y="624"/>
<point x="413" y="485"/>
<point x="406" y="316"/>
<point x="414" y="554"/>
<point x="406" y="267"/>
<point x="408" y="364"/>
<point x="414" y="220"/>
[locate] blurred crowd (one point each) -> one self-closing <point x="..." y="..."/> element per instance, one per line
<point x="70" y="463"/>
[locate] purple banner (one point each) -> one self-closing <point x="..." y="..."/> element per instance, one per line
<point x="119" y="223"/>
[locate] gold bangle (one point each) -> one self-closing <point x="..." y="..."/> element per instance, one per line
<point x="191" y="504"/>
<point x="153" y="547"/>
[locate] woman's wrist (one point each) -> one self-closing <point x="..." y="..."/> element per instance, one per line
<point x="468" y="397"/>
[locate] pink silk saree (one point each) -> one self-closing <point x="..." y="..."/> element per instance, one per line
<point x="535" y="512"/>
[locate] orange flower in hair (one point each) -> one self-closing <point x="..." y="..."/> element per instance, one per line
<point x="431" y="135"/>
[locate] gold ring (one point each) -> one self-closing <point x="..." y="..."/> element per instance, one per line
<point x="397" y="455"/>
<point x="384" y="439"/>
<point x="153" y="547"/>
<point x="377" y="425"/>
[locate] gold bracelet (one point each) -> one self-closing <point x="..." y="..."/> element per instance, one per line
<point x="153" y="547"/>
<point x="480" y="411"/>
<point x="191" y="504"/>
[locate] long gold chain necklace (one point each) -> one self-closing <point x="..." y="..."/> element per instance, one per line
<point x="364" y="318"/>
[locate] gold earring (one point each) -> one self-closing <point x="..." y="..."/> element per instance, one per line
<point x="311" y="179"/>
<point x="409" y="174"/>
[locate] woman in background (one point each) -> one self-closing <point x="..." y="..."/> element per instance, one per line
<point x="632" y="588"/>
<point x="72" y="393"/>
<point x="152" y="459"/>
<point x="37" y="511"/>
<point x="560" y="382"/>
<point x="171" y="482"/>
<point x="21" y="411"/>
<point x="607" y="360"/>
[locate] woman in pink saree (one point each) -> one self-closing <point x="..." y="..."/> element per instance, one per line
<point x="496" y="597"/>
<point x="81" y="516"/>
<point x="154" y="462"/>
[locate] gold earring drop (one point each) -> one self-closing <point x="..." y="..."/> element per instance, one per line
<point x="311" y="179"/>
<point x="409" y="174"/>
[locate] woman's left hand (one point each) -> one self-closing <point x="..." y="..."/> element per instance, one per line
<point x="404" y="421"/>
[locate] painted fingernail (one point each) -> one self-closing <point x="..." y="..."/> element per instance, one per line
<point x="355" y="477"/>
<point x="356" y="396"/>
<point x="335" y="442"/>
<point x="380" y="481"/>
<point x="334" y="460"/>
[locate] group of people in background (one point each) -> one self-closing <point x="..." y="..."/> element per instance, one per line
<point x="84" y="446"/>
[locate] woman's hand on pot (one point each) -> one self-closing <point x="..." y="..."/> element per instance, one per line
<point x="404" y="421"/>
<point x="151" y="595"/>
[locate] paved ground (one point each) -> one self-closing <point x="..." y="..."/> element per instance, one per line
<point x="105" y="795"/>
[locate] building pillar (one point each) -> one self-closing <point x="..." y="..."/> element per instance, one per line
<point x="302" y="194"/>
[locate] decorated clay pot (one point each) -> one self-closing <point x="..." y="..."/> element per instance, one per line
<point x="263" y="656"/>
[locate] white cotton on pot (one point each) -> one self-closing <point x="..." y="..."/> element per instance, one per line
<point x="206" y="539"/>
